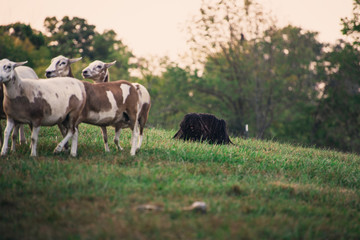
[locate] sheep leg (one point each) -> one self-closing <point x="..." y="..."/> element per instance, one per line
<point x="1" y="136"/>
<point x="34" y="140"/>
<point x="140" y="141"/>
<point x="74" y="143"/>
<point x="31" y="129"/>
<point x="116" y="138"/>
<point x="104" y="134"/>
<point x="9" y="127"/>
<point x="22" y="138"/>
<point x="61" y="145"/>
<point x="134" y="138"/>
<point x="141" y="126"/>
<point x="63" y="131"/>
<point x="14" y="137"/>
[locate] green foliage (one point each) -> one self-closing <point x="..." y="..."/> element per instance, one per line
<point x="351" y="27"/>
<point x="19" y="47"/>
<point x="253" y="71"/>
<point x="338" y="115"/>
<point x="75" y="37"/>
<point x="254" y="189"/>
<point x="258" y="78"/>
<point x="171" y="96"/>
<point x="107" y="48"/>
<point x="291" y="76"/>
<point x="23" y="32"/>
<point x="10" y="47"/>
<point x="70" y="37"/>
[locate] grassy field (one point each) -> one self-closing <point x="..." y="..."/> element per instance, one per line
<point x="254" y="190"/>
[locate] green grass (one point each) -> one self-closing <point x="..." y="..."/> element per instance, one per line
<point x="254" y="190"/>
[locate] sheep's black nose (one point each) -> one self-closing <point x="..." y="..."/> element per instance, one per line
<point x="85" y="72"/>
<point x="48" y="74"/>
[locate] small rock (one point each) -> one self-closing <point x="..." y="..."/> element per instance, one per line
<point x="149" y="207"/>
<point x="197" y="207"/>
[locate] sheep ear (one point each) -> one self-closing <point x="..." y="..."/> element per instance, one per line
<point x="16" y="64"/>
<point x="107" y="65"/>
<point x="73" y="60"/>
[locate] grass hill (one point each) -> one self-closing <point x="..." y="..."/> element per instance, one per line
<point x="253" y="190"/>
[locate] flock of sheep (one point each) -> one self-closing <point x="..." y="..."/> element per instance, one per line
<point x="65" y="101"/>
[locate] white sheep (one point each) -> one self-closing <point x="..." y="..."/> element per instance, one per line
<point x="23" y="72"/>
<point x="43" y="102"/>
<point x="26" y="72"/>
<point x="60" y="67"/>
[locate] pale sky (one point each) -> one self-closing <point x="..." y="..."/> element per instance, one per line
<point x="155" y="27"/>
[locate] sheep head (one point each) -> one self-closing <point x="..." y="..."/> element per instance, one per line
<point x="7" y="69"/>
<point x="97" y="71"/>
<point x="60" y="67"/>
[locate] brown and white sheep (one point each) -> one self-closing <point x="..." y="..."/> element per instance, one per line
<point x="98" y="72"/>
<point x="112" y="104"/>
<point x="108" y="104"/>
<point x="42" y="102"/>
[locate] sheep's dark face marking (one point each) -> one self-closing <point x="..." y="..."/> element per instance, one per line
<point x="60" y="67"/>
<point x="97" y="71"/>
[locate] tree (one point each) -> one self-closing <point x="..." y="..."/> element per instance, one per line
<point x="338" y="115"/>
<point x="253" y="72"/>
<point x="292" y="55"/>
<point x="107" y="48"/>
<point x="70" y="37"/>
<point x="19" y="42"/>
<point x="23" y="32"/>
<point x="222" y="38"/>
<point x="351" y="27"/>
<point x="170" y="91"/>
<point x="75" y="37"/>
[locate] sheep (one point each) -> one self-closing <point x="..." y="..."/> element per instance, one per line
<point x="203" y="127"/>
<point x="60" y="67"/>
<point x="112" y="104"/>
<point x="42" y="102"/>
<point x="98" y="72"/>
<point x="23" y="72"/>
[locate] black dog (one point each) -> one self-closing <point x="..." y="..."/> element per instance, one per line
<point x="203" y="127"/>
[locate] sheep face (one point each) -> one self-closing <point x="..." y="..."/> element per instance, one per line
<point x="7" y="69"/>
<point x="97" y="70"/>
<point x="60" y="67"/>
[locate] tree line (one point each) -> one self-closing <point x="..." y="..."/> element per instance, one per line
<point x="283" y="82"/>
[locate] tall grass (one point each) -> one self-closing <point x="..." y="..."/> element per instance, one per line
<point x="253" y="190"/>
